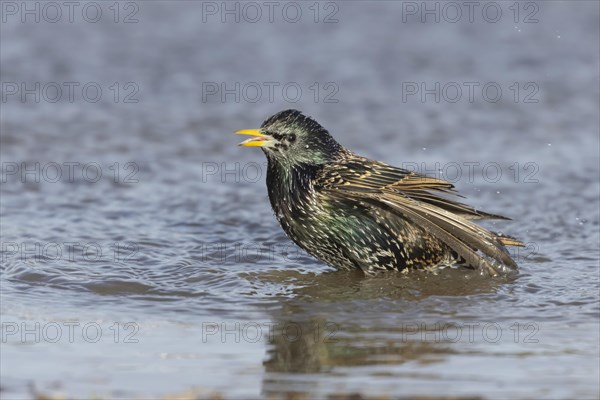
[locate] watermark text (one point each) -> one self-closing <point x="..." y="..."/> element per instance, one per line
<point x="270" y="12"/>
<point x="68" y="332"/>
<point x="72" y="251"/>
<point x="68" y="92"/>
<point x="68" y="172"/>
<point x="53" y="12"/>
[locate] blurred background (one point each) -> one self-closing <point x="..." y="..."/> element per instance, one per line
<point x="139" y="254"/>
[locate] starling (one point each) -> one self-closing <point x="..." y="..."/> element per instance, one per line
<point x="352" y="212"/>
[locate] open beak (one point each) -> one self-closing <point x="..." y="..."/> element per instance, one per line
<point x="258" y="140"/>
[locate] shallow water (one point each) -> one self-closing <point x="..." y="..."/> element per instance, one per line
<point x="153" y="265"/>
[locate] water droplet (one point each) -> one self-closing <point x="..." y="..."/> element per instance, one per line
<point x="307" y="146"/>
<point x="549" y="144"/>
<point x="558" y="36"/>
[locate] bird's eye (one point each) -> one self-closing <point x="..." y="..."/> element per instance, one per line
<point x="292" y="137"/>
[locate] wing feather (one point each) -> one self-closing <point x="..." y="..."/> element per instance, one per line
<point x="413" y="196"/>
<point x="362" y="174"/>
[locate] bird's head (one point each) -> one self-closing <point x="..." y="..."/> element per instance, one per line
<point x="290" y="138"/>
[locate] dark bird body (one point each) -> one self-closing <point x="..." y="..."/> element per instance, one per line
<point x="353" y="212"/>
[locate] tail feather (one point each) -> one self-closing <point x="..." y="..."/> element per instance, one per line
<point x="509" y="240"/>
<point x="459" y="233"/>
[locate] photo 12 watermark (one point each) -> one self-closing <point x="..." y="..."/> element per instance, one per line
<point x="54" y="12"/>
<point x="270" y="92"/>
<point x="69" y="92"/>
<point x="124" y="173"/>
<point x="470" y="92"/>
<point x="452" y="12"/>
<point x="266" y="331"/>
<point x="68" y="332"/>
<point x="252" y="12"/>
<point x="470" y="332"/>
<point x="69" y="251"/>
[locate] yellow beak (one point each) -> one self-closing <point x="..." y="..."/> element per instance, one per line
<point x="258" y="140"/>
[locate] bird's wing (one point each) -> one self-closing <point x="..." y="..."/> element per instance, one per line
<point x="414" y="197"/>
<point x="363" y="174"/>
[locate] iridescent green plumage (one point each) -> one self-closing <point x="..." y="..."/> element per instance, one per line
<point x="353" y="212"/>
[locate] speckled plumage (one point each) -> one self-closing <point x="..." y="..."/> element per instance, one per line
<point x="353" y="212"/>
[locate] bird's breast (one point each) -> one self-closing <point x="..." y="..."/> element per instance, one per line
<point x="293" y="199"/>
